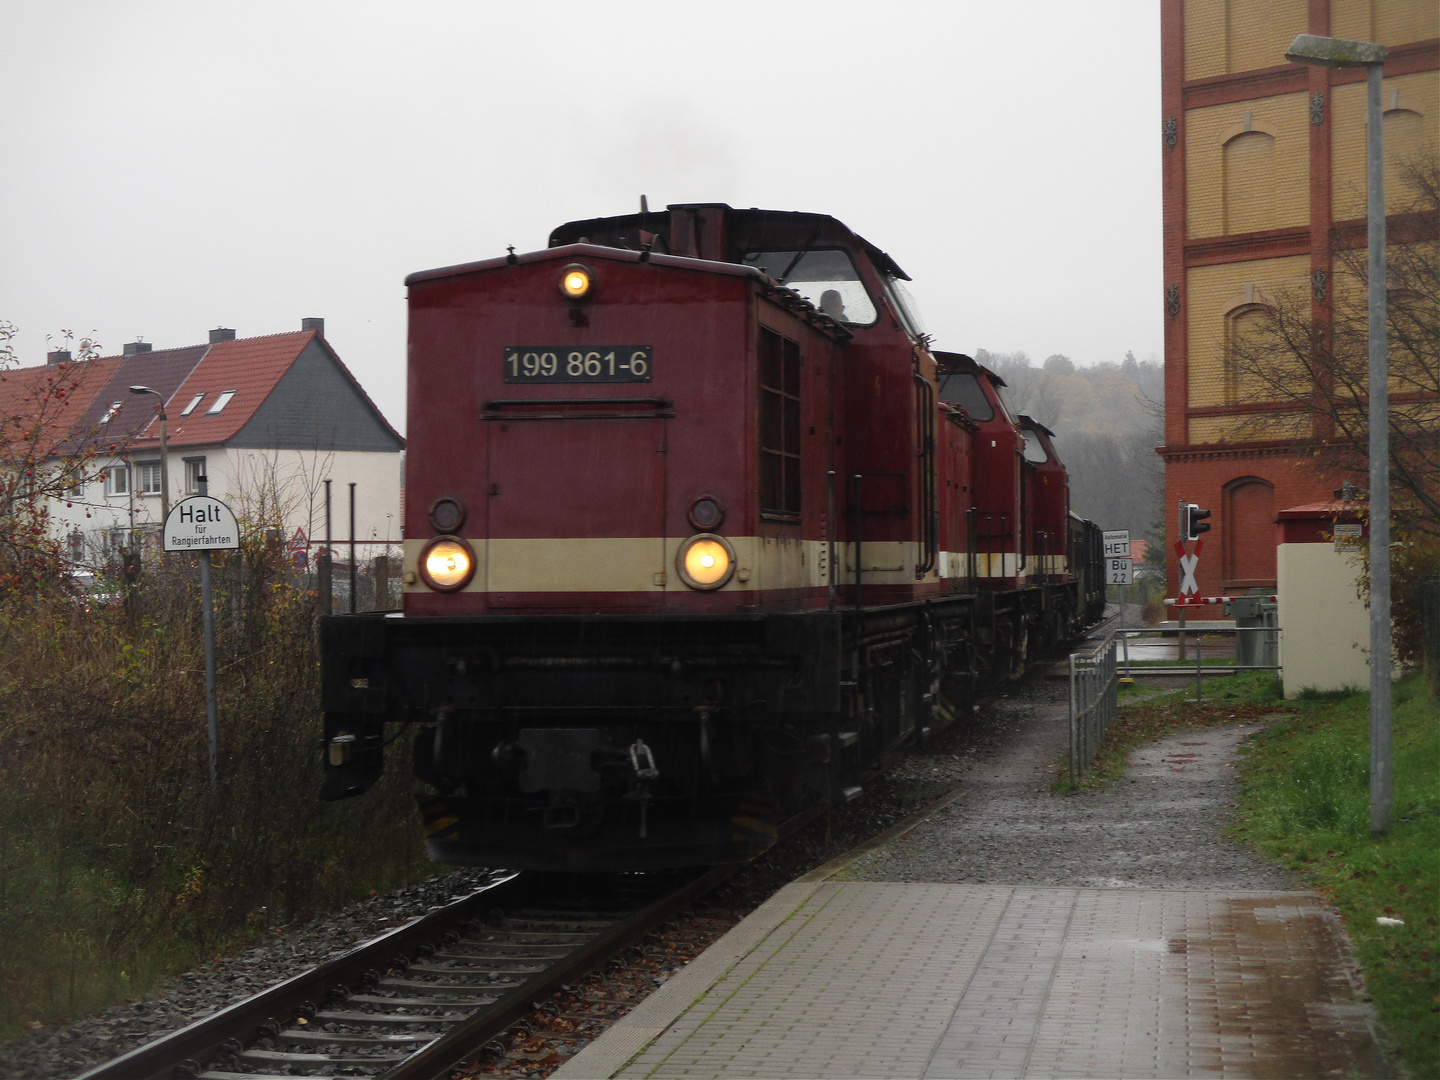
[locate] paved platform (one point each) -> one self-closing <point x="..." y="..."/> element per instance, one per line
<point x="871" y="979"/>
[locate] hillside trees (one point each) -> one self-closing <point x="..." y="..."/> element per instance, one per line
<point x="1107" y="418"/>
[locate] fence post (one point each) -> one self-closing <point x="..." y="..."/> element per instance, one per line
<point x="382" y="582"/>
<point x="1430" y="633"/>
<point x="1074" y="736"/>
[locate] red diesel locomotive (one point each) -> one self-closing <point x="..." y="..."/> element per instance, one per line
<point x="699" y="530"/>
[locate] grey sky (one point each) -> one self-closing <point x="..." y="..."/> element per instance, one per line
<point x="171" y="167"/>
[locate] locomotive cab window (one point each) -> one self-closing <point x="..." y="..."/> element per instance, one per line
<point x="826" y="277"/>
<point x="1034" y="448"/>
<point x="962" y="388"/>
<point x="779" y="426"/>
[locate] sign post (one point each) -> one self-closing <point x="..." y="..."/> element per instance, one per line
<point x="203" y="524"/>
<point x="1118" y="572"/>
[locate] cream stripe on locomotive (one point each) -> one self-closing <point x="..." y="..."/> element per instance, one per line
<point x="647" y="564"/>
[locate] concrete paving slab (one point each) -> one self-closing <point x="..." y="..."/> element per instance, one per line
<point x="862" y="979"/>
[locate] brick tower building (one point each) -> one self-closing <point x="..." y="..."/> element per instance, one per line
<point x="1264" y="174"/>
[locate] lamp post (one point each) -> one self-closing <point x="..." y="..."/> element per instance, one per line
<point x="164" y="453"/>
<point x="1335" y="52"/>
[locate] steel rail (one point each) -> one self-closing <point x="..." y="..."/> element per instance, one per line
<point x="466" y="1039"/>
<point x="243" y="1020"/>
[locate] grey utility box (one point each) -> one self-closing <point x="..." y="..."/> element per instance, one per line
<point x="1251" y="614"/>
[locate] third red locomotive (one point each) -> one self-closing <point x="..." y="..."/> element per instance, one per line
<point x="699" y="528"/>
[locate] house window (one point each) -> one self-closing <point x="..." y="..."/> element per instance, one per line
<point x="117" y="480"/>
<point x="193" y="402"/>
<point x="220" y="403"/>
<point x="147" y="477"/>
<point x="779" y="425"/>
<point x="194" y="469"/>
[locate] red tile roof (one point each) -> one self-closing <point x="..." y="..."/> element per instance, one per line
<point x="251" y="367"/>
<point x="60" y="394"/>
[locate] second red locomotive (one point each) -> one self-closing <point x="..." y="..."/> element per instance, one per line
<point x="699" y="530"/>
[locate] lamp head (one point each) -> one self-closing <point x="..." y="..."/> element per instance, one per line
<point x="1334" y="52"/>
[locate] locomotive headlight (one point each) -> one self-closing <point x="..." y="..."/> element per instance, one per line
<point x="447" y="564"/>
<point x="705" y="561"/>
<point x="575" y="281"/>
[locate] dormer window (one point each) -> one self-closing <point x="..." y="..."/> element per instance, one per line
<point x="193" y="402"/>
<point x="110" y="412"/>
<point x="220" y="403"/>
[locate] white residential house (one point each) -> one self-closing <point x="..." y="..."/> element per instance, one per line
<point x="267" y="420"/>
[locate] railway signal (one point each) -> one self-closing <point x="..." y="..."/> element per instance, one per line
<point x="1194" y="523"/>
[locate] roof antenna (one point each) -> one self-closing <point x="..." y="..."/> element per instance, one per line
<point x="510" y="258"/>
<point x="644" y="205"/>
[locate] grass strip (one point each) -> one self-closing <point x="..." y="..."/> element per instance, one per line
<point x="1305" y="803"/>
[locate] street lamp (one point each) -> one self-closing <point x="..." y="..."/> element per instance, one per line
<point x="1335" y="52"/>
<point x="164" y="454"/>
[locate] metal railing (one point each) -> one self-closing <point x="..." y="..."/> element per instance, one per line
<point x="1095" y="679"/>
<point x="1094" y="692"/>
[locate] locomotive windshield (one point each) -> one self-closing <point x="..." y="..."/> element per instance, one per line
<point x="1034" y="448"/>
<point x="824" y="276"/>
<point x="963" y="389"/>
<point x="904" y="305"/>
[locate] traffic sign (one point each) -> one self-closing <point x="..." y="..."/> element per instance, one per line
<point x="1117" y="543"/>
<point x="201" y="523"/>
<point x="298" y="542"/>
<point x="1120" y="571"/>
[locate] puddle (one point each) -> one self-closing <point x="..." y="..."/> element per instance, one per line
<point x="1271" y="977"/>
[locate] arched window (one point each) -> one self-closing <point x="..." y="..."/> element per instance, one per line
<point x="1249" y="182"/>
<point x="1240" y="323"/>
<point x="1247" y="534"/>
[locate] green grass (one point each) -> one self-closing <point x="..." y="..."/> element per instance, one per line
<point x="1306" y="804"/>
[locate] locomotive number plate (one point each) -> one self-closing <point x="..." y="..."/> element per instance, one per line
<point x="552" y="364"/>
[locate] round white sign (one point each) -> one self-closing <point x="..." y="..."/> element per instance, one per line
<point x="201" y="523"/>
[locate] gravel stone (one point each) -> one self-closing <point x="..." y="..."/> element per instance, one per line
<point x="73" y="1047"/>
<point x="1160" y="827"/>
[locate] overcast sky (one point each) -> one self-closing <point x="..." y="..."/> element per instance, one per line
<point x="171" y="167"/>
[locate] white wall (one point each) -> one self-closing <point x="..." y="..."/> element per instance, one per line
<point x="254" y="483"/>
<point x="1325" y="627"/>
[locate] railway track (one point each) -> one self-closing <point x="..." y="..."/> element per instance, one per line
<point x="425" y="997"/>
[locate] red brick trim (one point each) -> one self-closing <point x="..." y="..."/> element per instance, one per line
<point x="1242" y="247"/>
<point x="1229" y="451"/>
<point x="1246" y="86"/>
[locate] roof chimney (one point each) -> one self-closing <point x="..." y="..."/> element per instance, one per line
<point x="57" y="356"/>
<point x="221" y="333"/>
<point x="133" y="347"/>
<point x="318" y="325"/>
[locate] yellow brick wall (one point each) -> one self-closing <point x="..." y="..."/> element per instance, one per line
<point x="1390" y="22"/>
<point x="1287" y="117"/>
<point x="1204" y="38"/>
<point x="1419" y="93"/>
<point x="1214" y="291"/>
<point x="1229" y="36"/>
<point x="1261" y="427"/>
